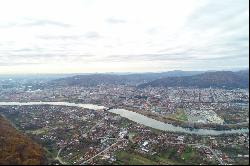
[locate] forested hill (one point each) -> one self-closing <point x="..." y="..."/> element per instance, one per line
<point x="219" y="79"/>
<point x="116" y="79"/>
<point x="18" y="149"/>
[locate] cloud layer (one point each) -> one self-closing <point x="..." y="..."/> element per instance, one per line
<point x="127" y="36"/>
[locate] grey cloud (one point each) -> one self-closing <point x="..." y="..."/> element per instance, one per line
<point x="229" y="21"/>
<point x="17" y="64"/>
<point x="150" y="57"/>
<point x="231" y="57"/>
<point x="115" y="21"/>
<point x="61" y="37"/>
<point x="13" y="56"/>
<point x="51" y="55"/>
<point x="215" y="13"/>
<point x="209" y="53"/>
<point x="178" y="50"/>
<point x="92" y="35"/>
<point x="226" y="20"/>
<point x="88" y="35"/>
<point x="35" y="59"/>
<point x="224" y="17"/>
<point x="153" y="30"/>
<point x="47" y="22"/>
<point x="34" y="22"/>
<point x="23" y="50"/>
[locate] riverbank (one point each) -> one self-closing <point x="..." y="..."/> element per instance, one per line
<point x="144" y="120"/>
<point x="186" y="124"/>
<point x="136" y="117"/>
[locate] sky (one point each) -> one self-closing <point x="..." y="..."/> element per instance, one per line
<point x="86" y="36"/>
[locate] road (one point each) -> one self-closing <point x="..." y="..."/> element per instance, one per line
<point x="107" y="138"/>
<point x="95" y="126"/>
<point x="203" y="146"/>
<point x="215" y="155"/>
<point x="197" y="145"/>
<point x="118" y="140"/>
<point x="58" y="156"/>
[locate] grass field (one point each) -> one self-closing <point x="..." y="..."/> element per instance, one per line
<point x="130" y="136"/>
<point x="188" y="154"/>
<point x="180" y="115"/>
<point x="125" y="158"/>
<point x="169" y="156"/>
<point x="38" y="131"/>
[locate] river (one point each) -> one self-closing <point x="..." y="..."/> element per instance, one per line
<point x="136" y="117"/>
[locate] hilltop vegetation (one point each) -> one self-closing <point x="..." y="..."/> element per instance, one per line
<point x="18" y="149"/>
<point x="92" y="80"/>
<point x="219" y="79"/>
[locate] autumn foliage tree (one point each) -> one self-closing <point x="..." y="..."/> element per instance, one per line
<point x="18" y="149"/>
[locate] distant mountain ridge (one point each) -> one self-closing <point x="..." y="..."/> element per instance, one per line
<point x="116" y="79"/>
<point x="177" y="78"/>
<point x="218" y="79"/>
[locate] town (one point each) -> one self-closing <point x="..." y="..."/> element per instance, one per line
<point x="73" y="135"/>
<point x="179" y="105"/>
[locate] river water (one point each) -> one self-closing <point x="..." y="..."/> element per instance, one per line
<point x="136" y="117"/>
<point x="88" y="106"/>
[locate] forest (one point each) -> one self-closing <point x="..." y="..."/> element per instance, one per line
<point x="16" y="148"/>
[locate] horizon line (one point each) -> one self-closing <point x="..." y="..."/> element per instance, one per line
<point x="79" y="73"/>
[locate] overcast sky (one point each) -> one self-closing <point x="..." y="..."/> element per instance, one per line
<point x="80" y="36"/>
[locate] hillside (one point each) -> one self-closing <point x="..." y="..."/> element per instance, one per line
<point x="116" y="79"/>
<point x="219" y="79"/>
<point x="17" y="149"/>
